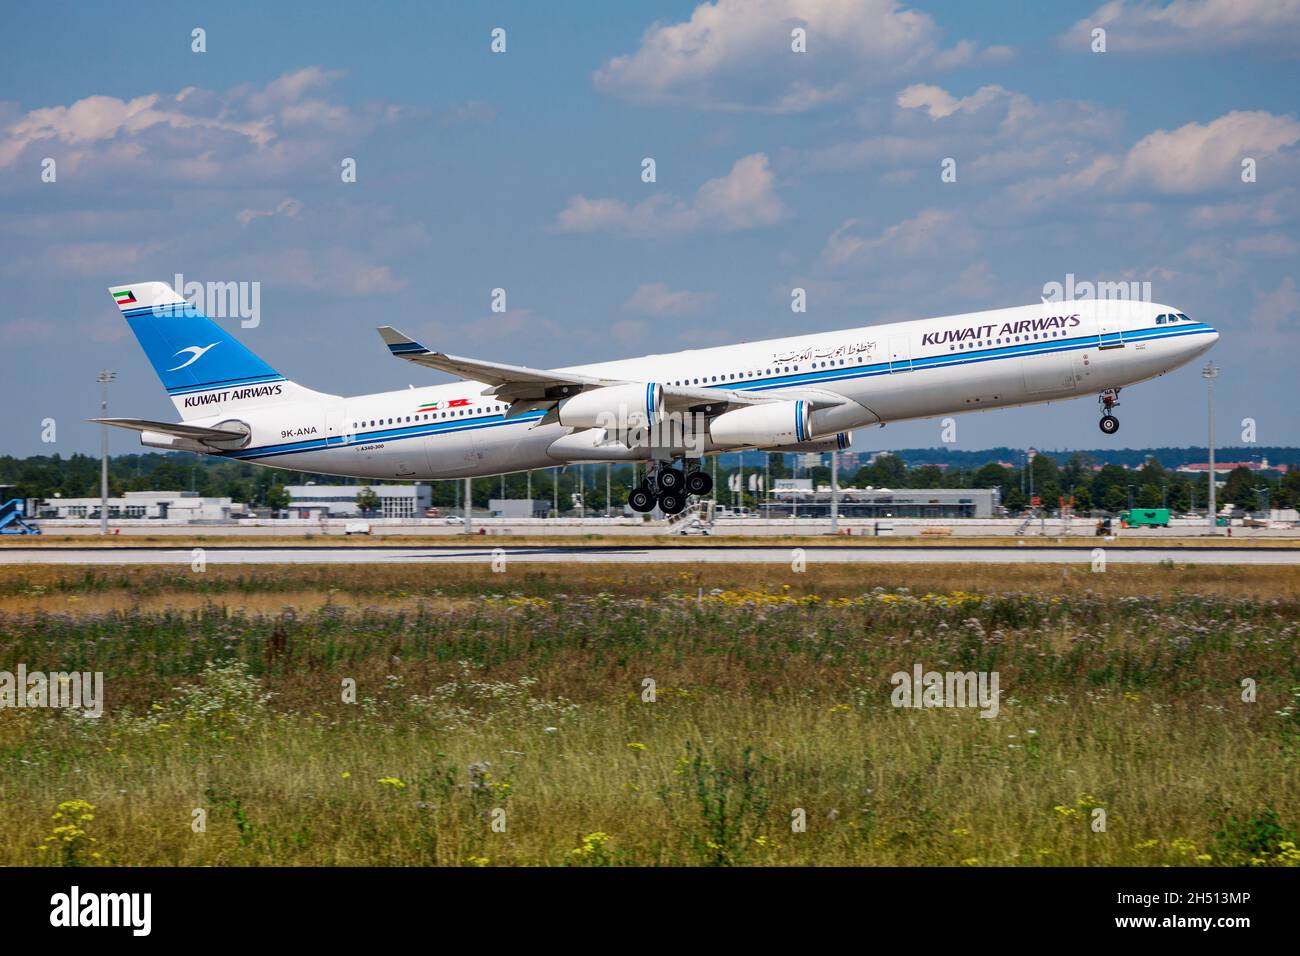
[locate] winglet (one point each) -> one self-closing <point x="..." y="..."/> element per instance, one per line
<point x="399" y="343"/>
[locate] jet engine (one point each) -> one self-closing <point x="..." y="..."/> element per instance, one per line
<point x="615" y="408"/>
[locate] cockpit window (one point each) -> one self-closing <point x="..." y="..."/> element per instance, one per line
<point x="1160" y="319"/>
<point x="1183" y="318"/>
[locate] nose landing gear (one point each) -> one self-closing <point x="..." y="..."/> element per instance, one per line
<point x="1109" y="399"/>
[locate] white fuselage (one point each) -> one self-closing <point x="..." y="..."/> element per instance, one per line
<point x="906" y="370"/>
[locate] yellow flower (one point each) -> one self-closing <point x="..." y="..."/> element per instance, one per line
<point x="346" y="775"/>
<point x="393" y="782"/>
<point x="637" y="746"/>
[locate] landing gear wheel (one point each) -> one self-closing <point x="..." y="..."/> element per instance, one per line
<point x="670" y="479"/>
<point x="1109" y="424"/>
<point x="671" y="503"/>
<point x="640" y="500"/>
<point x="699" y="483"/>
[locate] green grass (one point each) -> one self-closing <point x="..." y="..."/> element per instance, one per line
<point x="502" y="719"/>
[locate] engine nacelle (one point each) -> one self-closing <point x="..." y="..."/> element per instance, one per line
<point x="839" y="442"/>
<point x="615" y="408"/>
<point x="772" y="423"/>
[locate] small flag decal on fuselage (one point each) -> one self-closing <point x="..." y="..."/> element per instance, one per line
<point x="124" y="298"/>
<point x="435" y="406"/>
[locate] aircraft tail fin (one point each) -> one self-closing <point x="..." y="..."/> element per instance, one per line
<point x="205" y="369"/>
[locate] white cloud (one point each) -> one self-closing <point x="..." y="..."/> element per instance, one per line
<point x="97" y="118"/>
<point x="1185" y="25"/>
<point x="736" y="54"/>
<point x="1201" y="156"/>
<point x="193" y="135"/>
<point x="932" y="233"/>
<point x="656" y="299"/>
<point x="994" y="133"/>
<point x="745" y="198"/>
<point x="938" y="102"/>
<point x="289" y="207"/>
<point x="1195" y="157"/>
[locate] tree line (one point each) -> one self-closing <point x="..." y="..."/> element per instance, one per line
<point x="1109" y="487"/>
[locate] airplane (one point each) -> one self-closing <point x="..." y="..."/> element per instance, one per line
<point x="805" y="392"/>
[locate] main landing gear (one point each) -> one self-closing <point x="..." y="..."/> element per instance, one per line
<point x="1109" y="399"/>
<point x="669" y="487"/>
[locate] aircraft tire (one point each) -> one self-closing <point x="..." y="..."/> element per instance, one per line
<point x="671" y="503"/>
<point x="640" y="500"/>
<point x="670" y="479"/>
<point x="699" y="483"/>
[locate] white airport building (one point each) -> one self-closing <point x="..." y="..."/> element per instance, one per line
<point x="165" y="505"/>
<point x="340" y="501"/>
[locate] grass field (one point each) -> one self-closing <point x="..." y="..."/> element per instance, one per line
<point x="504" y="719"/>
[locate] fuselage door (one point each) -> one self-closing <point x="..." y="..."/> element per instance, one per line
<point x="1110" y="332"/>
<point x="337" y="425"/>
<point x="900" y="354"/>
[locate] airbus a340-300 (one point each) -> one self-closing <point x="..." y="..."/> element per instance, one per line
<point x="807" y="392"/>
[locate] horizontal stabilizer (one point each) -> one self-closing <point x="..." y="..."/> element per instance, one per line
<point x="192" y="432"/>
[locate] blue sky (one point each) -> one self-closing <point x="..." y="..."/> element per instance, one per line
<point x="522" y="171"/>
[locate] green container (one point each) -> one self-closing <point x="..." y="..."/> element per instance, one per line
<point x="1147" y="517"/>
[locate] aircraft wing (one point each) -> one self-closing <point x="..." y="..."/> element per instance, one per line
<point x="504" y="379"/>
<point x="532" y="389"/>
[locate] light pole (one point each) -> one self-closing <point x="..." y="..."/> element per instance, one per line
<point x="835" y="492"/>
<point x="104" y="378"/>
<point x="1029" y="467"/>
<point x="1210" y="373"/>
<point x="469" y="505"/>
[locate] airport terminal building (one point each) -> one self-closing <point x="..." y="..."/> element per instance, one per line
<point x="943" y="503"/>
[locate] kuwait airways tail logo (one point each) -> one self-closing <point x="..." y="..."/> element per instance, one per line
<point x="194" y="352"/>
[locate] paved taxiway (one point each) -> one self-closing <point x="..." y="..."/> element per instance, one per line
<point x="894" y="554"/>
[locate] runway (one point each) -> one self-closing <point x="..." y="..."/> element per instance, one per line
<point x="594" y="554"/>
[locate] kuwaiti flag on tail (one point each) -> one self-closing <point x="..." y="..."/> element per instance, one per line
<point x="124" y="298"/>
